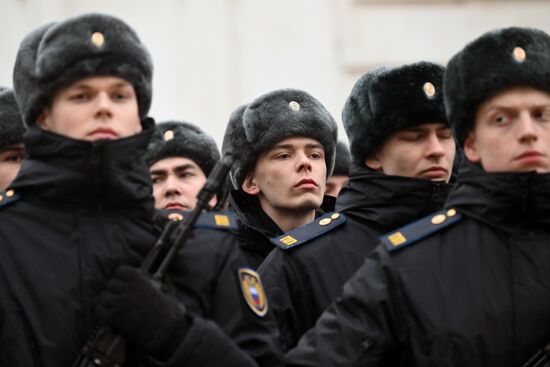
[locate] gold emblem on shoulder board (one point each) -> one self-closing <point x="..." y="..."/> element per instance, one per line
<point x="397" y="238"/>
<point x="253" y="291"/>
<point x="438" y="219"/>
<point x="325" y="221"/>
<point x="288" y="240"/>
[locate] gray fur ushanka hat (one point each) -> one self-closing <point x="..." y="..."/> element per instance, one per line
<point x="182" y="139"/>
<point x="386" y="100"/>
<point x="58" y="54"/>
<point x="11" y="125"/>
<point x="273" y="117"/>
<point x="496" y="61"/>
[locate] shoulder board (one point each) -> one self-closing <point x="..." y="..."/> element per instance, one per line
<point x="420" y="229"/>
<point x="8" y="197"/>
<point x="221" y="220"/>
<point x="317" y="227"/>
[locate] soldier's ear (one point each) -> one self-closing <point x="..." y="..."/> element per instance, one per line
<point x="470" y="148"/>
<point x="373" y="162"/>
<point x="250" y="186"/>
<point x="41" y="120"/>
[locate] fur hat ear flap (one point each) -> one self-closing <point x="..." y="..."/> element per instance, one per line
<point x="234" y="140"/>
<point x="182" y="139"/>
<point x="58" y="54"/>
<point x="496" y="61"/>
<point x="386" y="100"/>
<point x="11" y="125"/>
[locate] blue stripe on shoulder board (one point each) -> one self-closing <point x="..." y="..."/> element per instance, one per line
<point x="8" y="197"/>
<point x="307" y="232"/>
<point x="220" y="220"/>
<point x="419" y="229"/>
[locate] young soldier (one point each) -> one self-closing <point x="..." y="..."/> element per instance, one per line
<point x="180" y="157"/>
<point x="285" y="141"/>
<point x="466" y="286"/>
<point x="81" y="207"/>
<point x="340" y="175"/>
<point x="12" y="150"/>
<point x="402" y="149"/>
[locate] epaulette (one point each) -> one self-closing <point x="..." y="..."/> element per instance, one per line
<point x="420" y="229"/>
<point x="309" y="231"/>
<point x="8" y="197"/>
<point x="221" y="220"/>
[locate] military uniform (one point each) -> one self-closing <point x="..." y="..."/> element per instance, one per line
<point x="70" y="219"/>
<point x="256" y="228"/>
<point x="80" y="209"/>
<point x="463" y="287"/>
<point x="308" y="269"/>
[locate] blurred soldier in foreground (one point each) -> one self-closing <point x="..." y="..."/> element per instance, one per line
<point x="468" y="285"/>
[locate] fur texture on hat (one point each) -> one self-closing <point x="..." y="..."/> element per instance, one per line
<point x="343" y="160"/>
<point x="496" y="61"/>
<point x="182" y="139"/>
<point x="58" y="54"/>
<point x="273" y="117"/>
<point x="11" y="125"/>
<point x="386" y="100"/>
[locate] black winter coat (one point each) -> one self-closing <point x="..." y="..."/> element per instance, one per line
<point x="80" y="210"/>
<point x="302" y="281"/>
<point x="475" y="293"/>
<point x="256" y="228"/>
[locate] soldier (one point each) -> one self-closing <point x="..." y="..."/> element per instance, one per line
<point x="12" y="150"/>
<point x="340" y="175"/>
<point x="180" y="157"/>
<point x="466" y="286"/>
<point x="82" y="207"/>
<point x="402" y="151"/>
<point x="285" y="143"/>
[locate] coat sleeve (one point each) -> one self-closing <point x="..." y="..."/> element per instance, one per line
<point x="276" y="271"/>
<point x="360" y="327"/>
<point x="206" y="345"/>
<point x="225" y="331"/>
<point x="241" y="320"/>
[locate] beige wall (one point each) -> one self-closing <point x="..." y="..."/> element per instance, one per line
<point x="212" y="55"/>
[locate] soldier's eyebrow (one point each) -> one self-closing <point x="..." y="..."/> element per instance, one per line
<point x="185" y="167"/>
<point x="291" y="146"/>
<point x="158" y="172"/>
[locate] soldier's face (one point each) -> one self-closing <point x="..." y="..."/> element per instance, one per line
<point x="93" y="108"/>
<point x="176" y="183"/>
<point x="512" y="132"/>
<point x="10" y="163"/>
<point x="290" y="176"/>
<point x="425" y="151"/>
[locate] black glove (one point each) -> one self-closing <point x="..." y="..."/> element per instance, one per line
<point x="150" y="320"/>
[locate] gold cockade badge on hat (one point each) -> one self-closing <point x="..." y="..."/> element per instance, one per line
<point x="429" y="90"/>
<point x="98" y="39"/>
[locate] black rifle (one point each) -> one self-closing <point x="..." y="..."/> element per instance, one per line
<point x="540" y="359"/>
<point x="104" y="347"/>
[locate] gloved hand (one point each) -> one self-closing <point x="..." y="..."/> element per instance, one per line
<point x="150" y="320"/>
